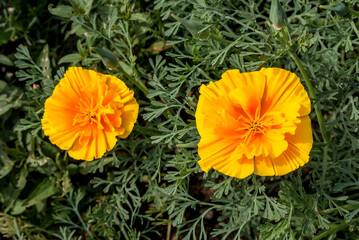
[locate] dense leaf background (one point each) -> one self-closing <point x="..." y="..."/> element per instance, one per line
<point x="150" y="185"/>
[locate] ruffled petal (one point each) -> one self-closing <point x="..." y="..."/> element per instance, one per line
<point x="129" y="117"/>
<point x="249" y="95"/>
<point x="284" y="88"/>
<point x="95" y="147"/>
<point x="263" y="166"/>
<point x="230" y="79"/>
<point x="214" y="111"/>
<point x="267" y="145"/>
<point x="214" y="151"/>
<point x="238" y="167"/>
<point x="296" y="155"/>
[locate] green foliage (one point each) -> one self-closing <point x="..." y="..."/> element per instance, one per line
<point x="150" y="185"/>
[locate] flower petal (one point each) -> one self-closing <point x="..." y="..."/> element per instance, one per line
<point x="285" y="88"/>
<point x="267" y="145"/>
<point x="213" y="151"/>
<point x="249" y="95"/>
<point x="129" y="117"/>
<point x="297" y="153"/>
<point x="263" y="166"/>
<point x="213" y="110"/>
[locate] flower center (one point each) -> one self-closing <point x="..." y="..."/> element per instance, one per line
<point x="252" y="129"/>
<point x="256" y="127"/>
<point x="92" y="112"/>
<point x="91" y="116"/>
<point x="87" y="113"/>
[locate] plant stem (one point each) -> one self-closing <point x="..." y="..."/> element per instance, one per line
<point x="81" y="220"/>
<point x="332" y="230"/>
<point x="169" y="226"/>
<point x="349" y="207"/>
<point x="325" y="164"/>
<point x="135" y="81"/>
<point x="312" y="95"/>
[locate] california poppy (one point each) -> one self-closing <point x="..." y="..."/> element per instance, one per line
<point x="87" y="111"/>
<point x="255" y="122"/>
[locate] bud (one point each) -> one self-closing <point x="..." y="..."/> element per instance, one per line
<point x="277" y="15"/>
<point x="194" y="27"/>
<point x="339" y="8"/>
<point x="107" y="57"/>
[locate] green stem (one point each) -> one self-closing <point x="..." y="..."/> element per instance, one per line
<point x="312" y="95"/>
<point x="81" y="220"/>
<point x="349" y="207"/>
<point x="135" y="81"/>
<point x="325" y="163"/>
<point x="332" y="230"/>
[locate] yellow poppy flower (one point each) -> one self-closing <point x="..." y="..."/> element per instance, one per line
<point x="254" y="122"/>
<point x="86" y="112"/>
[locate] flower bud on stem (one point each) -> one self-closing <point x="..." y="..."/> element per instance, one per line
<point x="107" y="57"/>
<point x="277" y="15"/>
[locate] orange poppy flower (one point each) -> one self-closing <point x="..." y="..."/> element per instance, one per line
<point x="254" y="122"/>
<point x="86" y="112"/>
